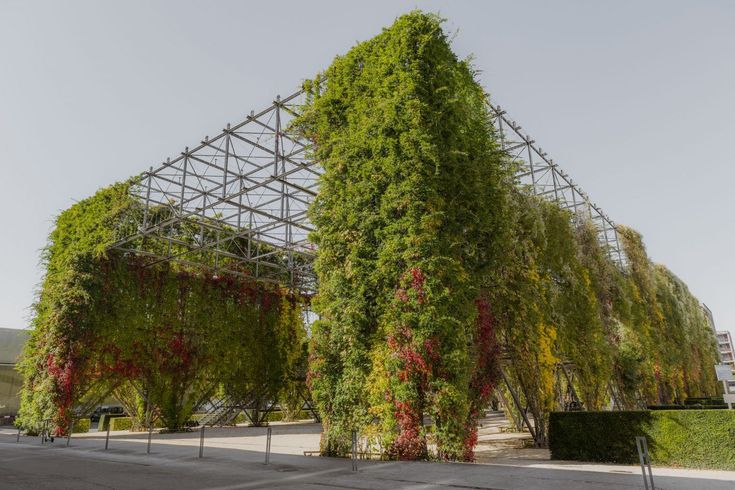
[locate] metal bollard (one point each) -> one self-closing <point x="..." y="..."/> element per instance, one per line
<point x="150" y="434"/>
<point x="201" y="443"/>
<point x="268" y="446"/>
<point x="107" y="437"/>
<point x="18" y="438"/>
<point x="645" y="459"/>
<point x="68" y="436"/>
<point x="354" y="450"/>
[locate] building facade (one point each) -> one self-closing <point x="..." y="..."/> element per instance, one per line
<point x="725" y="346"/>
<point x="11" y="346"/>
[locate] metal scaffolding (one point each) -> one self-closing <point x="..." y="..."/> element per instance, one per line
<point x="243" y="196"/>
<point x="243" y="193"/>
<point x="544" y="178"/>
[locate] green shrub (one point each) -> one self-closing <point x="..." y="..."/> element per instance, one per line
<point x="126" y="423"/>
<point x="714" y="401"/>
<point x="121" y="423"/>
<point x="687" y="438"/>
<point x="105" y="420"/>
<point x="277" y="416"/>
<point x="81" y="426"/>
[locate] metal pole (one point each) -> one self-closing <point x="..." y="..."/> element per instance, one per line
<point x="183" y="182"/>
<point x="726" y="390"/>
<point x="645" y="460"/>
<point x="107" y="437"/>
<point x="201" y="443"/>
<point x="268" y="446"/>
<point x="354" y="450"/>
<point x="519" y="407"/>
<point x="648" y="462"/>
<point x="68" y="436"/>
<point x="640" y="458"/>
<point x="227" y="158"/>
<point x="150" y="434"/>
<point x="18" y="438"/>
<point x="569" y="382"/>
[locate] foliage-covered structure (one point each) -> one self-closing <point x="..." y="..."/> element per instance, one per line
<point x="438" y="276"/>
<point x="407" y="206"/>
<point x="631" y="338"/>
<point x="159" y="337"/>
<point x="436" y="271"/>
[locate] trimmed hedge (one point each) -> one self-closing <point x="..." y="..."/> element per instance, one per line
<point x="126" y="423"/>
<point x="81" y="426"/>
<point x="686" y="438"/>
<point x="274" y="416"/>
<point x="105" y="420"/>
<point x="121" y="423"/>
<point x="277" y="416"/>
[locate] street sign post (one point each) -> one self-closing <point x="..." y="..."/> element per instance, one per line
<point x="725" y="374"/>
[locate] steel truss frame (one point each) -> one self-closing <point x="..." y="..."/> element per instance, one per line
<point x="243" y="196"/>
<point x="543" y="177"/>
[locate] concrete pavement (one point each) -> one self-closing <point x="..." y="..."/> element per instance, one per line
<point x="233" y="459"/>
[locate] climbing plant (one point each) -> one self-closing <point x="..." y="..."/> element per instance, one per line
<point x="436" y="270"/>
<point x="438" y="276"/>
<point x="162" y="338"/>
<point x="409" y="199"/>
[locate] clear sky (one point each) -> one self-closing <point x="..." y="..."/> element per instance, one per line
<point x="633" y="99"/>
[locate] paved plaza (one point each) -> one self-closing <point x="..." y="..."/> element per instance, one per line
<point x="234" y="459"/>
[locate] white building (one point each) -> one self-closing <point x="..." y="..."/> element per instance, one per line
<point x="725" y="346"/>
<point x="727" y="354"/>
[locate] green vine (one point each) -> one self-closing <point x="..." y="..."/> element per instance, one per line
<point x="409" y="200"/>
<point x="435" y="273"/>
<point x="160" y="338"/>
<point x="417" y="221"/>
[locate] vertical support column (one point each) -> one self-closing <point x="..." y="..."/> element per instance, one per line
<point x="201" y="443"/>
<point x="227" y="160"/>
<point x="519" y="407"/>
<point x="354" y="450"/>
<point x="611" y="389"/>
<point x="501" y="133"/>
<point x="569" y="382"/>
<point x="268" y="446"/>
<point x="216" y="253"/>
<point x="44" y="432"/>
<point x="147" y="198"/>
<point x="574" y="202"/>
<point x="618" y="249"/>
<point x="150" y="434"/>
<point x="531" y="168"/>
<point x="517" y="420"/>
<point x="555" y="181"/>
<point x="277" y="140"/>
<point x="250" y="233"/>
<point x="68" y="436"/>
<point x="183" y="180"/>
<point x="645" y="460"/>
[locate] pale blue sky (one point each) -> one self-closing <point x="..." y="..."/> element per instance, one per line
<point x="633" y="99"/>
